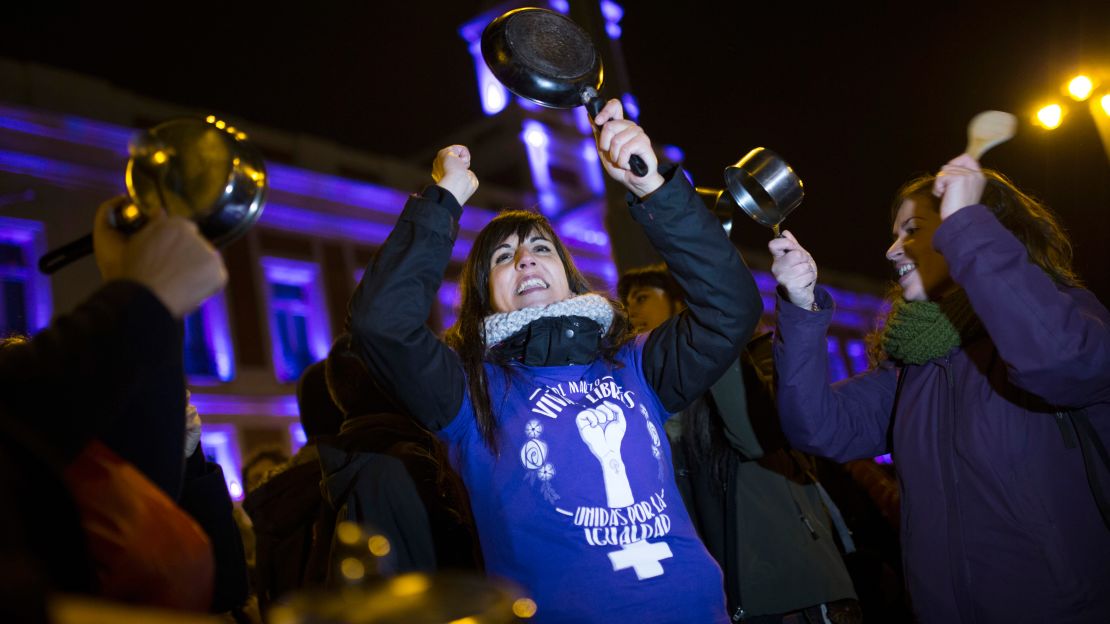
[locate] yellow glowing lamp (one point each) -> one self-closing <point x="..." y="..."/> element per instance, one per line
<point x="1050" y="116"/>
<point x="1105" y="101"/>
<point x="221" y="124"/>
<point x="159" y="157"/>
<point x="1080" y="88"/>
<point x="210" y="119"/>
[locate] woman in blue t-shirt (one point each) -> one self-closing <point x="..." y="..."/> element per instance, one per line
<point x="552" y="410"/>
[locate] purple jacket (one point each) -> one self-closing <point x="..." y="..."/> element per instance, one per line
<point x="999" y="523"/>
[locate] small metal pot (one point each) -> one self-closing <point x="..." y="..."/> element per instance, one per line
<point x="200" y="169"/>
<point x="764" y="186"/>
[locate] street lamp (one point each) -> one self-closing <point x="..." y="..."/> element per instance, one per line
<point x="1080" y="88"/>
<point x="1050" y="117"/>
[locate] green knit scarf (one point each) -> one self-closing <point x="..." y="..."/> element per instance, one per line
<point x="918" y="331"/>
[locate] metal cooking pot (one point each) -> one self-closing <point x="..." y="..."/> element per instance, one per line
<point x="764" y="186"/>
<point x="200" y="169"/>
<point x="545" y="57"/>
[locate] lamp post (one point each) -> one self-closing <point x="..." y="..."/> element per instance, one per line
<point x="1085" y="91"/>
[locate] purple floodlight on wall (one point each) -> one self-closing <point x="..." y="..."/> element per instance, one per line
<point x="537" y="142"/>
<point x="631" y="106"/>
<point x="595" y="175"/>
<point x="245" y="405"/>
<point x="673" y="153"/>
<point x="613" y="14"/>
<point x="494" y="95"/>
<point x="66" y="128"/>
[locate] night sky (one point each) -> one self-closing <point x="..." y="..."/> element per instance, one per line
<point x="856" y="98"/>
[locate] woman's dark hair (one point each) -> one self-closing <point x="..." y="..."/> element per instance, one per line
<point x="467" y="335"/>
<point x="1029" y="220"/>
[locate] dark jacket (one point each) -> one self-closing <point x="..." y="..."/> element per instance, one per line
<point x="998" y="519"/>
<point x="760" y="514"/>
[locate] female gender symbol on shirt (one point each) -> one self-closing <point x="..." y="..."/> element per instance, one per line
<point x="602" y="429"/>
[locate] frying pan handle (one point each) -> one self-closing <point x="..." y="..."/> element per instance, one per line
<point x="66" y="254"/>
<point x="636" y="164"/>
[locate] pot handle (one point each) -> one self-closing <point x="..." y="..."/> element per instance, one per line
<point x="635" y="164"/>
<point x="66" y="254"/>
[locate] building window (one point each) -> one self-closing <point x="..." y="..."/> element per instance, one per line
<point x="299" y="331"/>
<point x="25" y="302"/>
<point x="208" y="350"/>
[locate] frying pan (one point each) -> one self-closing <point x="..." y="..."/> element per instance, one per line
<point x="201" y="169"/>
<point x="545" y="57"/>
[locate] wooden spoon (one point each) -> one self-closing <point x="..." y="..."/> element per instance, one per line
<point x="987" y="129"/>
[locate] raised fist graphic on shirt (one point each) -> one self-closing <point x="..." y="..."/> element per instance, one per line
<point x="602" y="428"/>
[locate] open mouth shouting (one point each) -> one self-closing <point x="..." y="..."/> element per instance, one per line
<point x="530" y="285"/>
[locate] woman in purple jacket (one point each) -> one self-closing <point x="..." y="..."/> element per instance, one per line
<point x="994" y="368"/>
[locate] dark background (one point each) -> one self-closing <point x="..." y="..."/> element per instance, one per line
<point x="857" y="97"/>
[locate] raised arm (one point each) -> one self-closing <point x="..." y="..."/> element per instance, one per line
<point x="1054" y="340"/>
<point x="397" y="292"/>
<point x="847" y="420"/>
<point x="685" y="355"/>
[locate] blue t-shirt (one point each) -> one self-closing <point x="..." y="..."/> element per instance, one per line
<point x="581" y="506"/>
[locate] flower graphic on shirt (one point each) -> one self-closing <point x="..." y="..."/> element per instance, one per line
<point x="534" y="457"/>
<point x="533" y="429"/>
<point x="533" y="454"/>
<point x="547" y="472"/>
